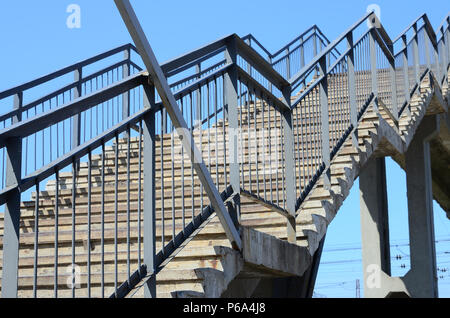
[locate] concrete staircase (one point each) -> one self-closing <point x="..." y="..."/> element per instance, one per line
<point x="207" y="266"/>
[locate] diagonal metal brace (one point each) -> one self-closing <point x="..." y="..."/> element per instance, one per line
<point x="168" y="100"/>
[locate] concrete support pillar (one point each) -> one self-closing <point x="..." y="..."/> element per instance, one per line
<point x="421" y="280"/>
<point x="420" y="212"/>
<point x="374" y="225"/>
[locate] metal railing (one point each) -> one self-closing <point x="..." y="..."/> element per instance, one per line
<point x="228" y="124"/>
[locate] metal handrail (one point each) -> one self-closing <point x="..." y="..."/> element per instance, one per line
<point x="63" y="71"/>
<point x="232" y="91"/>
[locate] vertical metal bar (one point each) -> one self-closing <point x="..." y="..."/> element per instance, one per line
<point x="36" y="240"/>
<point x="198" y="115"/>
<point x="103" y="223"/>
<point x="289" y="166"/>
<point x="216" y="131"/>
<point x="89" y="223"/>
<point x="435" y="52"/>
<point x="416" y="55"/>
<point x="406" y="74"/>
<point x="302" y="53"/>
<point x="270" y="83"/>
<point x="126" y="95"/>
<point x="139" y="196"/>
<point x="116" y="210"/>
<point x="249" y="67"/>
<point x="74" y="189"/>
<point x="315" y="50"/>
<point x="323" y="97"/>
<point x="393" y="78"/>
<point x="173" y="181"/>
<point x="149" y="193"/>
<point x="11" y="235"/>
<point x="302" y="56"/>
<point x="231" y="100"/>
<point x="373" y="67"/>
<point x="55" y="288"/>
<point x="76" y="128"/>
<point x="288" y="64"/>
<point x="128" y="203"/>
<point x="183" y="208"/>
<point x="192" y="166"/>
<point x="255" y="139"/>
<point x="427" y="48"/>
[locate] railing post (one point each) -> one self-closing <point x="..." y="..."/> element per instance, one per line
<point x="373" y="69"/>
<point x="416" y="55"/>
<point x="198" y="118"/>
<point x="289" y="166"/>
<point x="126" y="95"/>
<point x="149" y="193"/>
<point x="323" y="96"/>
<point x="302" y="53"/>
<point x="231" y="100"/>
<point x="394" y="97"/>
<point x="315" y="50"/>
<point x="76" y="129"/>
<point x="270" y="84"/>
<point x="11" y="232"/>
<point x="249" y="67"/>
<point x="288" y="64"/>
<point x="406" y="75"/>
<point x="436" y="59"/>
<point x="352" y="90"/>
<point x="302" y="56"/>
<point x="427" y="49"/>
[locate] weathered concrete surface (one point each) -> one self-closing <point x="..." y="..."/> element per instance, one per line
<point x="265" y="266"/>
<point x="374" y="222"/>
<point x="267" y="254"/>
<point x="421" y="280"/>
<point x="440" y="163"/>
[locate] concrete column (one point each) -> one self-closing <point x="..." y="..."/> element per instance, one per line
<point x="374" y="225"/>
<point x="420" y="212"/>
<point x="421" y="280"/>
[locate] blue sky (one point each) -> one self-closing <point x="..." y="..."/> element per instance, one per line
<point x="35" y="41"/>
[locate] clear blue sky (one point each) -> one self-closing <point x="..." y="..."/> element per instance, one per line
<point x="35" y="40"/>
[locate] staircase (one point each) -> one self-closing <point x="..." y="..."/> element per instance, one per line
<point x="102" y="232"/>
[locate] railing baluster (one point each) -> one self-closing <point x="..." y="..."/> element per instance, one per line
<point x="74" y="189"/>
<point x="36" y="241"/>
<point x="149" y="193"/>
<point x="289" y="166"/>
<point x="56" y="256"/>
<point x="323" y="97"/>
<point x="416" y="55"/>
<point x="89" y="215"/>
<point x="406" y="75"/>
<point x="76" y="128"/>
<point x="373" y="68"/>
